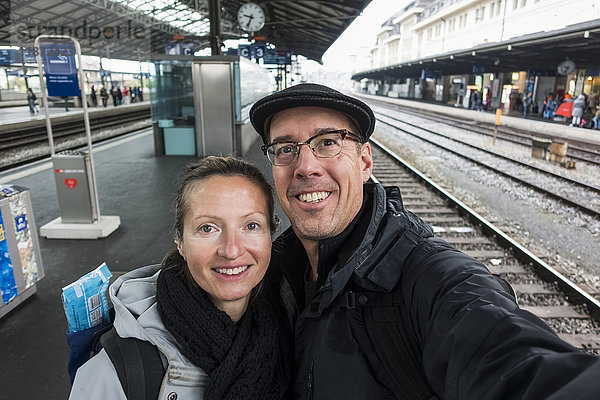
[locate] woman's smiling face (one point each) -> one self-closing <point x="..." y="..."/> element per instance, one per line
<point x="226" y="237"/>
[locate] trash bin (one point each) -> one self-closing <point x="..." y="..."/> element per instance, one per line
<point x="76" y="197"/>
<point x="20" y="260"/>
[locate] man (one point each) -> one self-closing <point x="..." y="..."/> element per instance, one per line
<point x="381" y="309"/>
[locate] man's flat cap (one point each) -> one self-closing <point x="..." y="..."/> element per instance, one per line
<point x="311" y="94"/>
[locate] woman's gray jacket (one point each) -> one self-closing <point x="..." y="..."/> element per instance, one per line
<point x="133" y="296"/>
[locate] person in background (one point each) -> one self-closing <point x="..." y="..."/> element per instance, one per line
<point x="578" y="107"/>
<point x="113" y="93"/>
<point x="527" y="103"/>
<point x="596" y="118"/>
<point x="355" y="259"/>
<point x="126" y="99"/>
<point x="31" y="98"/>
<point x="104" y="96"/>
<point x="134" y="95"/>
<point x="549" y="107"/>
<point x="119" y="96"/>
<point x="93" y="96"/>
<point x="207" y="308"/>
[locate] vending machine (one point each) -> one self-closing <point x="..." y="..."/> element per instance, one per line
<point x="20" y="260"/>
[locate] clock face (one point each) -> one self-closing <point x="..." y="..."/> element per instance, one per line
<point x="251" y="17"/>
<point x="566" y="67"/>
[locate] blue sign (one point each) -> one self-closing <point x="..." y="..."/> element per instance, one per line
<point x="187" y="49"/>
<point x="8" y="56"/>
<point x="12" y="56"/>
<point x="279" y="57"/>
<point x="244" y="51"/>
<point x="60" y="69"/>
<point x="21" y="222"/>
<point x="259" y="50"/>
<point x="172" y="49"/>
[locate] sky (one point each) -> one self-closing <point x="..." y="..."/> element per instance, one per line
<point x="362" y="32"/>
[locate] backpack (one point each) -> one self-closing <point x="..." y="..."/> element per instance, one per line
<point x="138" y="363"/>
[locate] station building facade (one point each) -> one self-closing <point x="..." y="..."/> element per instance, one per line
<point x="412" y="40"/>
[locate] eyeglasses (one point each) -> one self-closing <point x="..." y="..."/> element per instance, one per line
<point x="323" y="145"/>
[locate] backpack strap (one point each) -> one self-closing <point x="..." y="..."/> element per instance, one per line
<point x="138" y="365"/>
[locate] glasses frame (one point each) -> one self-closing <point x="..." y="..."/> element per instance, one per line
<point x="344" y="133"/>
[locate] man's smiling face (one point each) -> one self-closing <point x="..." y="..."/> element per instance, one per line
<point x="320" y="196"/>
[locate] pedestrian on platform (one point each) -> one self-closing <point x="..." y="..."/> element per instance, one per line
<point x="527" y="103"/>
<point x="217" y="323"/>
<point x="550" y="107"/>
<point x="66" y="100"/>
<point x="93" y="96"/>
<point x="134" y="94"/>
<point x="474" y="100"/>
<point x="31" y="98"/>
<point x="114" y="95"/>
<point x="104" y="96"/>
<point x="578" y="107"/>
<point x="119" y="96"/>
<point x="126" y="95"/>
<point x="596" y="118"/>
<point x="381" y="308"/>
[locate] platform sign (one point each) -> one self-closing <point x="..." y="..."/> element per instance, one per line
<point x="172" y="49"/>
<point x="244" y="50"/>
<point x="8" y="286"/>
<point x="279" y="57"/>
<point x="259" y="50"/>
<point x="60" y="70"/>
<point x="186" y="49"/>
<point x="8" y="56"/>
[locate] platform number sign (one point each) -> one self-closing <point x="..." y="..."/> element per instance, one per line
<point x="259" y="50"/>
<point x="244" y="50"/>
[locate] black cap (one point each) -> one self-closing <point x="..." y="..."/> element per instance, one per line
<point x="311" y="95"/>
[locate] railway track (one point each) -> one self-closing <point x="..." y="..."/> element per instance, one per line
<point x="572" y="312"/>
<point x="578" y="151"/>
<point x="574" y="193"/>
<point x="24" y="142"/>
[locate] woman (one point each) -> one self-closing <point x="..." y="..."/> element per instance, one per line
<point x="203" y="307"/>
<point x="578" y="107"/>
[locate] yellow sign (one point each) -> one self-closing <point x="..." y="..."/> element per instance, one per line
<point x="498" y="114"/>
<point x="1" y="233"/>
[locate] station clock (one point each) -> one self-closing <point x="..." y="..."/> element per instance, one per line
<point x="251" y="17"/>
<point x="566" y="67"/>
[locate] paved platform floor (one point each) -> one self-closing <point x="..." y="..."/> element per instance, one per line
<point x="133" y="184"/>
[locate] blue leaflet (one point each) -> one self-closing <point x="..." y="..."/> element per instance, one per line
<point x="85" y="301"/>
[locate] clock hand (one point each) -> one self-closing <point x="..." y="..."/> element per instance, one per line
<point x="250" y="18"/>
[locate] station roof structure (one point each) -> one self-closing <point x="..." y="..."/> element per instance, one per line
<point x="137" y="29"/>
<point x="540" y="53"/>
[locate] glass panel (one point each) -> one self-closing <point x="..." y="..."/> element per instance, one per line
<point x="172" y="93"/>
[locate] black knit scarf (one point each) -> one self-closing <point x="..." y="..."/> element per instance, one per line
<point x="243" y="360"/>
